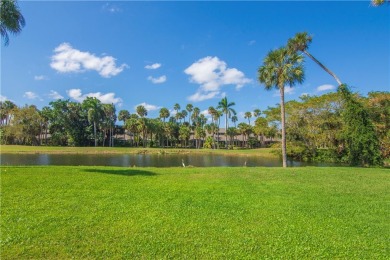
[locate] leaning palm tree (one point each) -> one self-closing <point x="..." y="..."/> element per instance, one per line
<point x="11" y="20"/>
<point x="280" y="68"/>
<point x="301" y="42"/>
<point x="227" y="109"/>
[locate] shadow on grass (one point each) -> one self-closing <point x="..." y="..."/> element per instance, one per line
<point x="125" y="172"/>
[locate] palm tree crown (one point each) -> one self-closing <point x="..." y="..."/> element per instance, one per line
<point x="280" y="68"/>
<point x="301" y="42"/>
<point x="11" y="20"/>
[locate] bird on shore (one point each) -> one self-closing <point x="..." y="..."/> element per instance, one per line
<point x="182" y="162"/>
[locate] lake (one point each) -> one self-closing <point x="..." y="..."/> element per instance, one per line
<point x="148" y="160"/>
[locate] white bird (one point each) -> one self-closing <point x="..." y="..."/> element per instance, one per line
<point x="182" y="162"/>
<point x="245" y="164"/>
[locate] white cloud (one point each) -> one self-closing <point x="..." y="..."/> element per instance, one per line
<point x="158" y="80"/>
<point x="30" y="95"/>
<point x="67" y="59"/>
<point x="40" y="77"/>
<point x="287" y="91"/>
<point x="111" y="8"/>
<point x="241" y="115"/>
<point x="211" y="74"/>
<point x="147" y="106"/>
<point x="153" y="66"/>
<point x="199" y="96"/>
<point x="3" y="98"/>
<point x="325" y="87"/>
<point x="205" y="112"/>
<point x="252" y="42"/>
<point x="55" y="95"/>
<point x="108" y="98"/>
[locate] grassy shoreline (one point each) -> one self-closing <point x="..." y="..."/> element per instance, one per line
<point x="20" y="149"/>
<point x="57" y="212"/>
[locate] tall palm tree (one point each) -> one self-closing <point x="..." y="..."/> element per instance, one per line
<point x="123" y="116"/>
<point x="217" y="120"/>
<point x="212" y="111"/>
<point x="227" y="109"/>
<point x="234" y="120"/>
<point x="109" y="121"/>
<point x="256" y="112"/>
<point x="131" y="125"/>
<point x="184" y="113"/>
<point x="281" y="67"/>
<point x="11" y="19"/>
<point x="248" y="115"/>
<point x="189" y="108"/>
<point x="176" y="107"/>
<point x="46" y="113"/>
<point x="164" y="114"/>
<point x="301" y="42"/>
<point x="95" y="113"/>
<point x="142" y="112"/>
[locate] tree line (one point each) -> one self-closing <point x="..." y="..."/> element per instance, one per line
<point x="316" y="126"/>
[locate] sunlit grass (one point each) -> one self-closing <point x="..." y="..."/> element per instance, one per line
<point x="197" y="213"/>
<point x="265" y="152"/>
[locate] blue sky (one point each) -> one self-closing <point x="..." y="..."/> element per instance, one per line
<point x="162" y="53"/>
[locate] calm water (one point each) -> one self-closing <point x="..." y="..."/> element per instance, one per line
<point x="148" y="160"/>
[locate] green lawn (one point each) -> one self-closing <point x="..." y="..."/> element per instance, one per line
<point x="126" y="150"/>
<point x="197" y="213"/>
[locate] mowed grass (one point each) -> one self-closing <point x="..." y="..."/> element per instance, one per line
<point x="23" y="149"/>
<point x="195" y="213"/>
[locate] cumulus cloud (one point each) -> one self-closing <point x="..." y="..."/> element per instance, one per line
<point x="108" y="98"/>
<point x="67" y="59"/>
<point x="158" y="80"/>
<point x="325" y="87"/>
<point x="199" y="96"/>
<point x="40" y="77"/>
<point x="55" y="95"/>
<point x="148" y="107"/>
<point x="30" y="95"/>
<point x="211" y="74"/>
<point x="153" y="66"/>
<point x="252" y="42"/>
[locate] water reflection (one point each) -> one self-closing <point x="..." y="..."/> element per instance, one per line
<point x="147" y="160"/>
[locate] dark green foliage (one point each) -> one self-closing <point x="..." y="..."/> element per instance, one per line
<point x="361" y="142"/>
<point x="11" y="19"/>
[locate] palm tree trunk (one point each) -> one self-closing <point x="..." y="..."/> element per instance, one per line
<point x="282" y="111"/>
<point x="323" y="67"/>
<point x="46" y="134"/>
<point x="226" y="126"/>
<point x="94" y="133"/>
